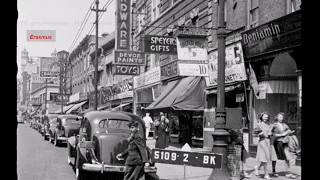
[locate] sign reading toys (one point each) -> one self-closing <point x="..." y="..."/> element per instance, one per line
<point x="123" y="26"/>
<point x="189" y="48"/>
<point x="234" y="67"/>
<point x="49" y="67"/>
<point x="126" y="69"/>
<point x="160" y="45"/>
<point x="129" y="58"/>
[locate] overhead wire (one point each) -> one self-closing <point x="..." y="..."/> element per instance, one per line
<point x="84" y="22"/>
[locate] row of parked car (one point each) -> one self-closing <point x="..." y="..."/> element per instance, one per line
<point x="93" y="141"/>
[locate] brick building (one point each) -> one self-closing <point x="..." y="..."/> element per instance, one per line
<point x="280" y="85"/>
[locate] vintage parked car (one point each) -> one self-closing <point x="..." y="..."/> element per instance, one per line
<point x="103" y="135"/>
<point x="35" y="122"/>
<point x="65" y="126"/>
<point x="46" y="121"/>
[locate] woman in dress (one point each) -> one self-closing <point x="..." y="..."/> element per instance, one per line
<point x="266" y="151"/>
<point x="136" y="153"/>
<point x="281" y="130"/>
<point x="161" y="129"/>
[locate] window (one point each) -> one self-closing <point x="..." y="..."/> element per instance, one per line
<point x="254" y="13"/>
<point x="148" y="62"/>
<point x="155" y="9"/>
<point x="71" y="121"/>
<point x="141" y="18"/>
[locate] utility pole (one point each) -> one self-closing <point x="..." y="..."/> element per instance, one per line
<point x="97" y="10"/>
<point x="45" y="99"/>
<point x="220" y="135"/>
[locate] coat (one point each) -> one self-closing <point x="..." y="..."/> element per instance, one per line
<point x="293" y="143"/>
<point x="136" y="152"/>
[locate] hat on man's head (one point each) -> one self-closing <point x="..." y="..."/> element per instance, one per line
<point x="133" y="123"/>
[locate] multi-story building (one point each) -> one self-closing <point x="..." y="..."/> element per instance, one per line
<point x="273" y="56"/>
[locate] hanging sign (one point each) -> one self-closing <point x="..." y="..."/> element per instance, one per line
<point x="234" y="67"/>
<point x="160" y="45"/>
<point x="189" y="48"/>
<point x="193" y="69"/>
<point x="49" y="67"/>
<point x="129" y="58"/>
<point x="126" y="69"/>
<point x="169" y="70"/>
<point x="123" y="24"/>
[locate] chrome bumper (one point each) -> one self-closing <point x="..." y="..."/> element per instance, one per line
<point x="110" y="168"/>
<point x="62" y="139"/>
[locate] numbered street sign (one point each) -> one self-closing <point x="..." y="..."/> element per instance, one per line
<point x="207" y="160"/>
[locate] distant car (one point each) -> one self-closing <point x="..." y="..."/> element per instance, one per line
<point x="47" y="119"/>
<point x="103" y="135"/>
<point x="66" y="125"/>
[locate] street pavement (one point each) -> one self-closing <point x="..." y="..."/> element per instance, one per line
<point x="40" y="160"/>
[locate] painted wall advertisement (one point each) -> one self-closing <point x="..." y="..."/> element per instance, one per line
<point x="193" y="69"/>
<point x="117" y="91"/>
<point x="234" y="67"/>
<point x="49" y="67"/>
<point x="194" y="49"/>
<point x="149" y="77"/>
<point x="123" y="24"/>
<point x="160" y="45"/>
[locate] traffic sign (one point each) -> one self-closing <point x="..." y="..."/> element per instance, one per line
<point x="206" y="160"/>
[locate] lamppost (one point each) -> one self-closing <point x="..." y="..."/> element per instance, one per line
<point x="220" y="135"/>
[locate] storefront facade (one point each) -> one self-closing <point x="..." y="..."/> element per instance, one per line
<point x="273" y="54"/>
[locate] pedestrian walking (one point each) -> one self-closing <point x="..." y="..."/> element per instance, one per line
<point x="136" y="153"/>
<point x="148" y="122"/>
<point x="266" y="151"/>
<point x="236" y="138"/>
<point x="161" y="129"/>
<point x="282" y="135"/>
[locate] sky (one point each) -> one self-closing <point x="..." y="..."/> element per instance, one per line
<point x="63" y="16"/>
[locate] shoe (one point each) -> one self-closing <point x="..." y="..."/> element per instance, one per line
<point x="256" y="171"/>
<point x="267" y="177"/>
<point x="246" y="175"/>
<point x="275" y="174"/>
<point x="292" y="176"/>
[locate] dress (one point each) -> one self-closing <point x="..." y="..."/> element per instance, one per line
<point x="281" y="148"/>
<point x="160" y="131"/>
<point x="266" y="151"/>
<point x="137" y="156"/>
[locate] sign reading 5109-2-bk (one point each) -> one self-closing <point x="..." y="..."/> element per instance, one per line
<point x="207" y="160"/>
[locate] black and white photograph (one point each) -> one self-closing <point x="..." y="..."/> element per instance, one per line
<point x="159" y="89"/>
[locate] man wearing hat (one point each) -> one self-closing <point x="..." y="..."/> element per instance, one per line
<point x="136" y="154"/>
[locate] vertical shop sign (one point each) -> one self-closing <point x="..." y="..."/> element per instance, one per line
<point x="123" y="24"/>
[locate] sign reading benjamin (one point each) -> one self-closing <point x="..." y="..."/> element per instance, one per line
<point x="169" y="70"/>
<point x="126" y="69"/>
<point x="129" y="58"/>
<point x="149" y="77"/>
<point x="192" y="49"/>
<point x="234" y="69"/>
<point x="193" y="69"/>
<point x="277" y="34"/>
<point x="123" y="20"/>
<point x="49" y="67"/>
<point x="160" y="45"/>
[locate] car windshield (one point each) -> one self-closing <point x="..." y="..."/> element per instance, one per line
<point x="72" y="121"/>
<point x="114" y="124"/>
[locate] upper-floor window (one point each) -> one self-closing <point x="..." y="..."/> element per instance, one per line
<point x="141" y="18"/>
<point x="155" y="9"/>
<point x="292" y="6"/>
<point x="254" y="13"/>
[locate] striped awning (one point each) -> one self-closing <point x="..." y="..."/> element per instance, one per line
<point x="76" y="107"/>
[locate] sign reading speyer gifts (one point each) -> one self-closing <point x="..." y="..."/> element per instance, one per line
<point x="160" y="45"/>
<point x="281" y="33"/>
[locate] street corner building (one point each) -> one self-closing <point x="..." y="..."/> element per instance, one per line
<point x="262" y="73"/>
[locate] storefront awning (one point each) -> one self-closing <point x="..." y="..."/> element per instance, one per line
<point x="65" y="108"/>
<point x="76" y="107"/>
<point x="106" y="106"/>
<point x="122" y="105"/>
<point x="183" y="94"/>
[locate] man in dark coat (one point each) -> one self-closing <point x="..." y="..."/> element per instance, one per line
<point x="137" y="154"/>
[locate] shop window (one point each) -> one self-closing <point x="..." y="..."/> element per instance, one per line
<point x="254" y="13"/>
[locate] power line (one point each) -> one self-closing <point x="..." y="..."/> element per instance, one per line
<point x="81" y="27"/>
<point x="100" y="16"/>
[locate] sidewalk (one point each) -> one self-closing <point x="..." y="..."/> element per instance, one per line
<point x="175" y="172"/>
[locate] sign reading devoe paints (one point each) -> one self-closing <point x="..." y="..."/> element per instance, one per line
<point x="123" y="24"/>
<point x="281" y="33"/>
<point x="160" y="45"/>
<point x="129" y="58"/>
<point x="234" y="68"/>
<point x="192" y="48"/>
